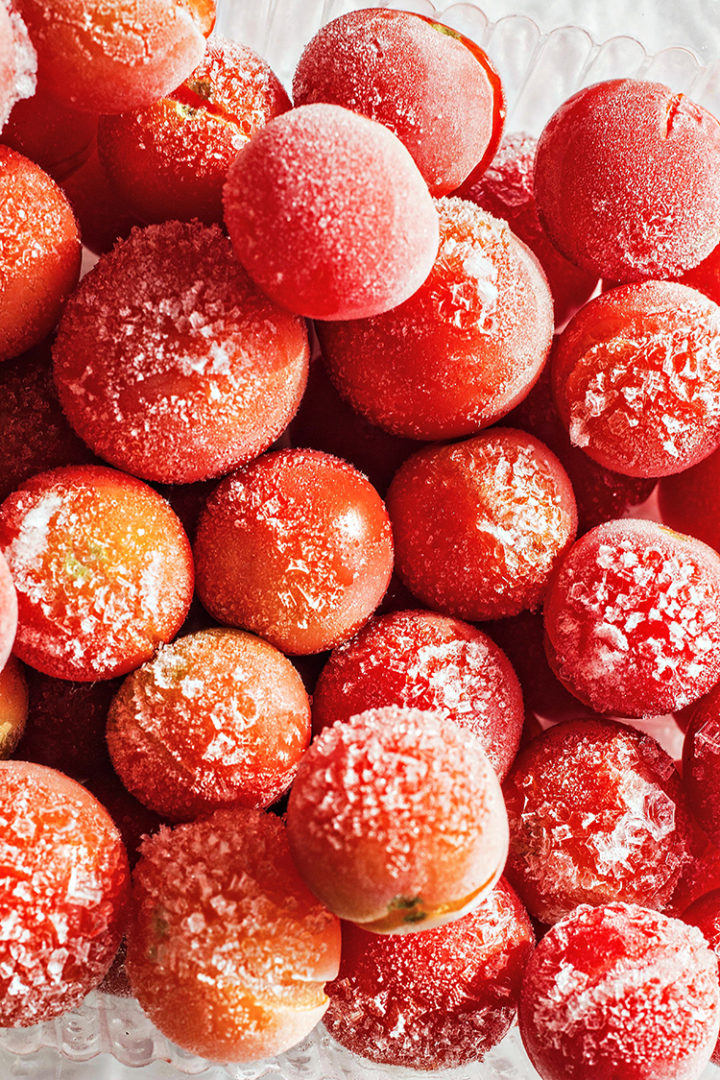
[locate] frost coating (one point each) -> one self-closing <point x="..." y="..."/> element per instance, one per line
<point x="626" y="180"/>
<point x="63" y="888"/>
<point x="426" y="661"/>
<point x="296" y="547"/>
<point x="596" y="814"/>
<point x="171" y="159"/>
<point x="224" y="926"/>
<point x="171" y="364"/>
<point x="434" y="1000"/>
<point x="619" y="990"/>
<point x="471" y="303"/>
<point x="479" y="525"/>
<point x="637" y="378"/>
<point x="109" y="56"/>
<point x="396" y="819"/>
<point x="633" y="619"/>
<point x="18" y="62"/>
<point x="218" y="718"/>
<point x="102" y="568"/>
<point x="330" y="216"/>
<point x="39" y="253"/>
<point x="432" y="90"/>
<point x="464" y="349"/>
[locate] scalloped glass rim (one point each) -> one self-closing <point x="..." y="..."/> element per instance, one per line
<point x="527" y="58"/>
<point x="539" y="71"/>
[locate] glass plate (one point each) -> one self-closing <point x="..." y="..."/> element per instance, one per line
<point x="539" y="70"/>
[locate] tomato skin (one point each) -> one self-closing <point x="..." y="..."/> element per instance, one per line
<point x="297" y="548"/>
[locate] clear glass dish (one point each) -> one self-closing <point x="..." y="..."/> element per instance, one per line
<point x="539" y="70"/>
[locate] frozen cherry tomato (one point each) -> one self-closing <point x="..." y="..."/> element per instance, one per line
<point x="200" y="370"/>
<point x="112" y="60"/>
<point x="223" y="927"/>
<point x="421" y="660"/>
<point x="636" y="375"/>
<point x="63" y="887"/>
<point x="435" y="89"/>
<point x="216" y="719"/>
<point x="40" y="253"/>
<point x="434" y="1000"/>
<point x="396" y="820"/>
<point x="632" y="619"/>
<point x="619" y="991"/>
<point x="480" y="524"/>
<point x="463" y="349"/>
<point x="329" y="215"/>
<point x="597" y="813"/>
<point x="170" y="160"/>
<point x="103" y="570"/>
<point x="627" y="180"/>
<point x="296" y="547"/>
